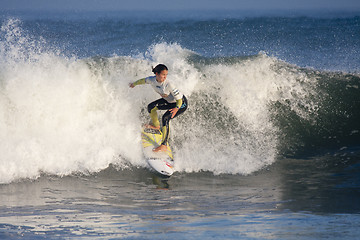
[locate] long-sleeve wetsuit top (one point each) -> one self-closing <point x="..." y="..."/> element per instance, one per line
<point x="166" y="90"/>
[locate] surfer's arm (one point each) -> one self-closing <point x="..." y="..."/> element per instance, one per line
<point x="177" y="95"/>
<point x="176" y="109"/>
<point x="138" y="82"/>
<point x="178" y="103"/>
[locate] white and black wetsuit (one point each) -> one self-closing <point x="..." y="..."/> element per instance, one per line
<point x="171" y="97"/>
<point x="162" y="104"/>
<point x="165" y="89"/>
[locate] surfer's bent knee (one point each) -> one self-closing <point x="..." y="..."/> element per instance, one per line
<point x="151" y="106"/>
<point x="166" y="118"/>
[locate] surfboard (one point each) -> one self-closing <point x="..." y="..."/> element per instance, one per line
<point x="161" y="162"/>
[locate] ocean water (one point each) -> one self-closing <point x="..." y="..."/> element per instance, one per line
<point x="268" y="149"/>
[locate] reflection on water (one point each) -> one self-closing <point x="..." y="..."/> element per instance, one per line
<point x="273" y="203"/>
<point x="128" y="203"/>
<point x="161" y="182"/>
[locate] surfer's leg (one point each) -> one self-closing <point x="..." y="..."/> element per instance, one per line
<point x="154" y="117"/>
<point x="166" y="120"/>
<point x="152" y="109"/>
<point x="165" y="132"/>
<point x="166" y="123"/>
<point x="166" y="127"/>
<point x="182" y="109"/>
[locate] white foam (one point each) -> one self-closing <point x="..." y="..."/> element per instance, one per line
<point x="63" y="115"/>
<point x="239" y="137"/>
<point x="59" y="116"/>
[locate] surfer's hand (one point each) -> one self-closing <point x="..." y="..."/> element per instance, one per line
<point x="131" y="85"/>
<point x="173" y="112"/>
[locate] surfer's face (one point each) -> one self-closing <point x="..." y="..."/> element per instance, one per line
<point x="161" y="77"/>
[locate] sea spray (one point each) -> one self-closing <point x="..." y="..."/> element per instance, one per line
<point x="230" y="128"/>
<point x="59" y="116"/>
<point x="65" y="115"/>
<point x="62" y="119"/>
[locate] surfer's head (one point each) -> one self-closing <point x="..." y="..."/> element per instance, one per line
<point x="161" y="72"/>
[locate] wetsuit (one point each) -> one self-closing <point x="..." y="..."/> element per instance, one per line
<point x="171" y="98"/>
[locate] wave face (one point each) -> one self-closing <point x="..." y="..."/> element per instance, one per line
<point x="64" y="115"/>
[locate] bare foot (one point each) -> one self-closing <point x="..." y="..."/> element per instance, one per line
<point x="151" y="127"/>
<point x="161" y="148"/>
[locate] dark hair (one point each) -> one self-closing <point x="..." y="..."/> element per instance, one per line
<point x="159" y="68"/>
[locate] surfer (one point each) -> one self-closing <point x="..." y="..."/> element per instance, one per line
<point x="171" y="100"/>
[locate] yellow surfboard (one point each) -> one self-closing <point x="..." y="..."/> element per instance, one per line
<point x="161" y="162"/>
